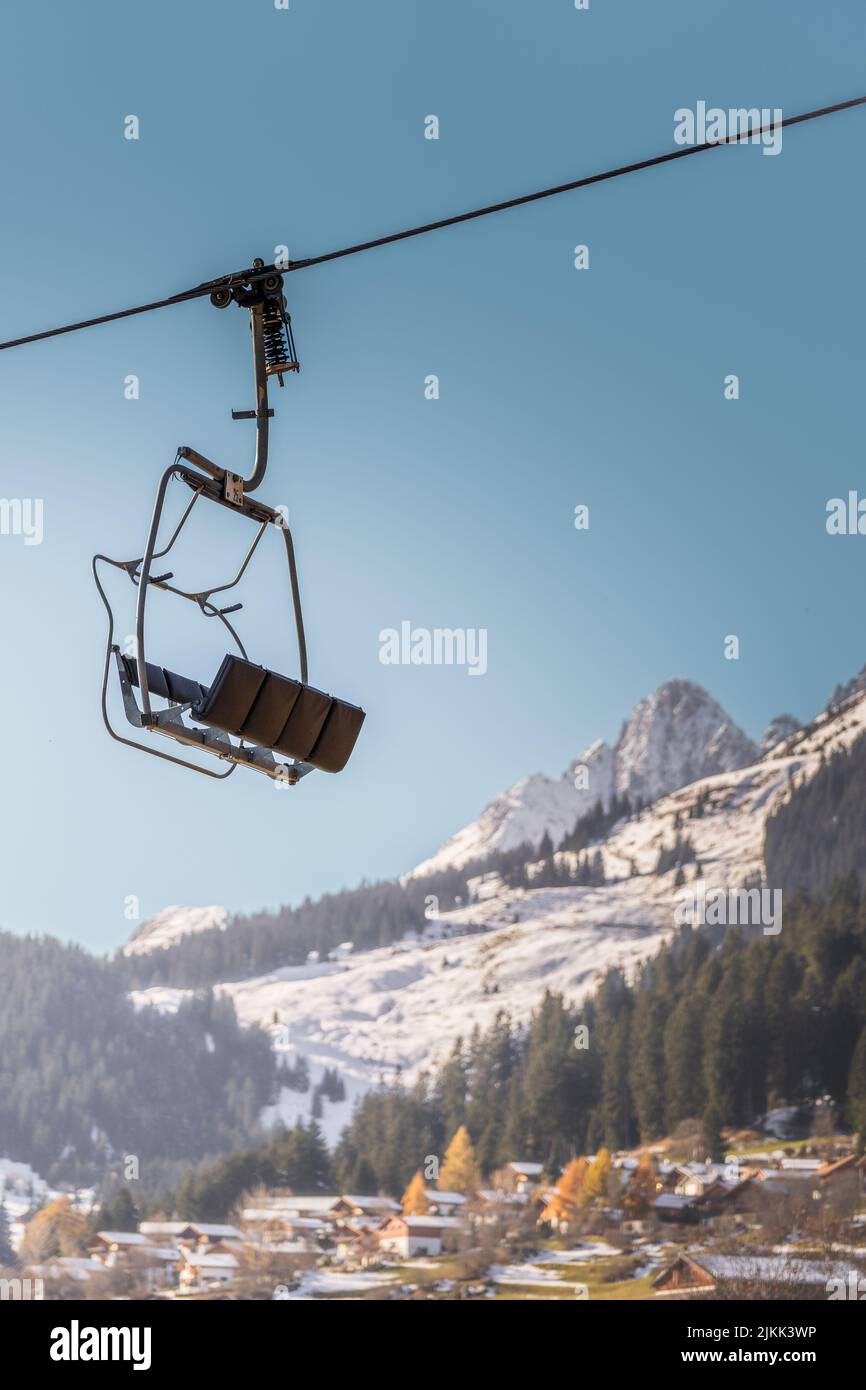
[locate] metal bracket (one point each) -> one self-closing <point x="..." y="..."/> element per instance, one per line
<point x="233" y="489"/>
<point x="252" y="414"/>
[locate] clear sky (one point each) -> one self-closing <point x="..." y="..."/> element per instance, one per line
<point x="305" y="127"/>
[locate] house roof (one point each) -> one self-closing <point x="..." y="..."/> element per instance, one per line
<point x="829" y="1170"/>
<point x="123" y="1238"/>
<point x="673" y="1202"/>
<point x="203" y="1259"/>
<point x="425" y="1223"/>
<point x="532" y="1170"/>
<point x="76" y="1267"/>
<point x="163" y="1228"/>
<point x="768" y="1268"/>
<point x="371" y="1203"/>
<point x="208" y="1229"/>
<point x="318" y="1202"/>
<point x="448" y="1198"/>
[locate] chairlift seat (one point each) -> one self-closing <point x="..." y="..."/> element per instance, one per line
<point x="265" y="708"/>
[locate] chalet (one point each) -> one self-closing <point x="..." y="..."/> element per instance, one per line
<point x="673" y="1207"/>
<point x="153" y="1264"/>
<point x="318" y="1205"/>
<point x="80" y="1268"/>
<point x="208" y="1233"/>
<point x="107" y="1246"/>
<point x="159" y="1265"/>
<point x="668" y="1175"/>
<point x="358" y="1245"/>
<point x="374" y="1208"/>
<point x="269" y="1227"/>
<point x="166" y="1232"/>
<point x="443" y="1203"/>
<point x="520" y="1177"/>
<point x="200" y="1269"/>
<point x="697" y="1178"/>
<point x="417" y="1235"/>
<point x="697" y="1274"/>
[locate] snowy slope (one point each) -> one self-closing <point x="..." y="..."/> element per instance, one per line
<point x="172" y="923"/>
<point x="677" y="735"/>
<point x="404" y="1005"/>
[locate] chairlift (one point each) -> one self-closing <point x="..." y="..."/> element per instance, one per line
<point x="248" y="716"/>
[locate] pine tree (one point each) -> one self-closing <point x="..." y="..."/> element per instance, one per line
<point x="7" y="1254"/>
<point x="712" y="1142"/>
<point x="459" y="1171"/>
<point x="857" y="1091"/>
<point x="414" y="1202"/>
<point x="123" y="1212"/>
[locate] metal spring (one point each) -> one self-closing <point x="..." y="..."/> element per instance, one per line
<point x="279" y="347"/>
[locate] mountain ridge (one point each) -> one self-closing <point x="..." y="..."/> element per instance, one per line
<point x="674" y="736"/>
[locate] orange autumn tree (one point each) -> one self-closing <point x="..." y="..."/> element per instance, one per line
<point x="55" y="1230"/>
<point x="460" y="1171"/>
<point x="566" y="1201"/>
<point x="414" y="1201"/>
<point x="642" y="1188"/>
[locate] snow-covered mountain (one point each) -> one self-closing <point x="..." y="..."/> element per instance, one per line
<point x="675" y="736"/>
<point x="172" y="923"/>
<point x="403" y="1005"/>
<point x="778" y="729"/>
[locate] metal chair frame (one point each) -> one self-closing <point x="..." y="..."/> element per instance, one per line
<point x="206" y="479"/>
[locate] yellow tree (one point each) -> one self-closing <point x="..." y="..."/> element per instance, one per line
<point x="597" y="1183"/>
<point x="414" y="1202"/>
<point x="55" y="1230"/>
<point x="566" y="1200"/>
<point x="460" y="1171"/>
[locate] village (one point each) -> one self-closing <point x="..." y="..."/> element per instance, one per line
<point x="763" y="1224"/>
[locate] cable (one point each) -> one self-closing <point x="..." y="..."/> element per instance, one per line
<point x="250" y="276"/>
<point x="567" y="187"/>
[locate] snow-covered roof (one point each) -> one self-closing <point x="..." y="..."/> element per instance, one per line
<point x="769" y="1269"/>
<point x="299" y="1206"/>
<point x="204" y="1259"/>
<point x="439" y="1223"/>
<point x="532" y="1170"/>
<point x="448" y="1199"/>
<point x="163" y="1228"/>
<point x="73" y="1266"/>
<point x="372" y="1203"/>
<point x="203" y="1228"/>
<point x="284" y="1218"/>
<point x="123" y="1238"/>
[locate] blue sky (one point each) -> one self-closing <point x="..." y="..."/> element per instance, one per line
<point x="306" y="127"/>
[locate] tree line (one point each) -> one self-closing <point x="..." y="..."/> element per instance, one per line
<point x="86" y="1077"/>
